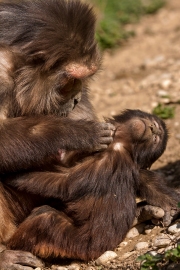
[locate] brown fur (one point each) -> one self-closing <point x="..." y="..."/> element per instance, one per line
<point x="94" y="201"/>
<point x="46" y="117"/>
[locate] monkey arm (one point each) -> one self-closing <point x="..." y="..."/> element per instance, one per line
<point x="28" y="142"/>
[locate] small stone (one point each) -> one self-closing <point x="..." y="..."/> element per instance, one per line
<point x="162" y="93"/>
<point x="162" y="241"/>
<point x="148" y="231"/>
<point x="161" y="250"/>
<point x="106" y="257"/>
<point x="165" y="84"/>
<point x="127" y="255"/>
<point x="90" y="268"/>
<point x="123" y="244"/>
<point x="74" y="266"/>
<point x="141" y="245"/>
<point x="132" y="233"/>
<point x="153" y="253"/>
<point x="174" y="228"/>
<point x="168" y="248"/>
<point x="37" y="268"/>
<point x="55" y="267"/>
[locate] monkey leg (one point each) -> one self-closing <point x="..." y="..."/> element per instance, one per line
<point x="9" y="259"/>
<point x="155" y="191"/>
<point x="49" y="233"/>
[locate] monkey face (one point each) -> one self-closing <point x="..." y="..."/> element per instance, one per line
<point x="142" y="135"/>
<point x="53" y="59"/>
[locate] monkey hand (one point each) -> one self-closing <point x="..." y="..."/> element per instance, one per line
<point x="18" y="260"/>
<point x="105" y="136"/>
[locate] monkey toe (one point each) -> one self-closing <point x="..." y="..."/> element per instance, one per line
<point x="18" y="260"/>
<point x="148" y="212"/>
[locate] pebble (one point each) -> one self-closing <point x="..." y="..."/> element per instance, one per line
<point x="132" y="233"/>
<point x="37" y="268"/>
<point x="153" y="253"/>
<point x="106" y="257"/>
<point x="127" y="255"/>
<point x="162" y="93"/>
<point x="141" y="245"/>
<point x="165" y="84"/>
<point x="90" y="268"/>
<point x="54" y="267"/>
<point x="74" y="266"/>
<point x="161" y="241"/>
<point x="148" y="231"/>
<point x="123" y="244"/>
<point x="174" y="228"/>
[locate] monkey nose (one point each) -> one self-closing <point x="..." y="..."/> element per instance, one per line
<point x="155" y="128"/>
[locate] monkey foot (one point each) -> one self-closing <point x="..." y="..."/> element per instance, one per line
<point x="18" y="260"/>
<point x="156" y="214"/>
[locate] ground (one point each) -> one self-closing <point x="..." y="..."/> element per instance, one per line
<point x="141" y="73"/>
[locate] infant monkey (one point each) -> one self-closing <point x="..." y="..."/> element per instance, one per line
<point x="95" y="202"/>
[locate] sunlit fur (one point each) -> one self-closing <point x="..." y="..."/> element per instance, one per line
<point x="94" y="201"/>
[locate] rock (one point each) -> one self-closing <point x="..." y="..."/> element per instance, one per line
<point x="153" y="253"/>
<point x="106" y="257"/>
<point x="162" y="93"/>
<point x="174" y="228"/>
<point x="148" y="231"/>
<point x="162" y="241"/>
<point x="123" y="244"/>
<point x="90" y="268"/>
<point x="165" y="84"/>
<point x="127" y="255"/>
<point x="74" y="266"/>
<point x="38" y="268"/>
<point x="141" y="245"/>
<point x="56" y="267"/>
<point x="132" y="233"/>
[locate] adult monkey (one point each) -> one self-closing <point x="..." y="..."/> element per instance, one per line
<point x="47" y="54"/>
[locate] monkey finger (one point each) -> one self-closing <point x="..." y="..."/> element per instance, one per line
<point x="106" y="140"/>
<point x="101" y="147"/>
<point x="107" y="133"/>
<point x="107" y="126"/>
<point x="167" y="218"/>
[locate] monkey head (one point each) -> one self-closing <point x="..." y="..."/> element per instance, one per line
<point x="142" y="135"/>
<point x="52" y="53"/>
